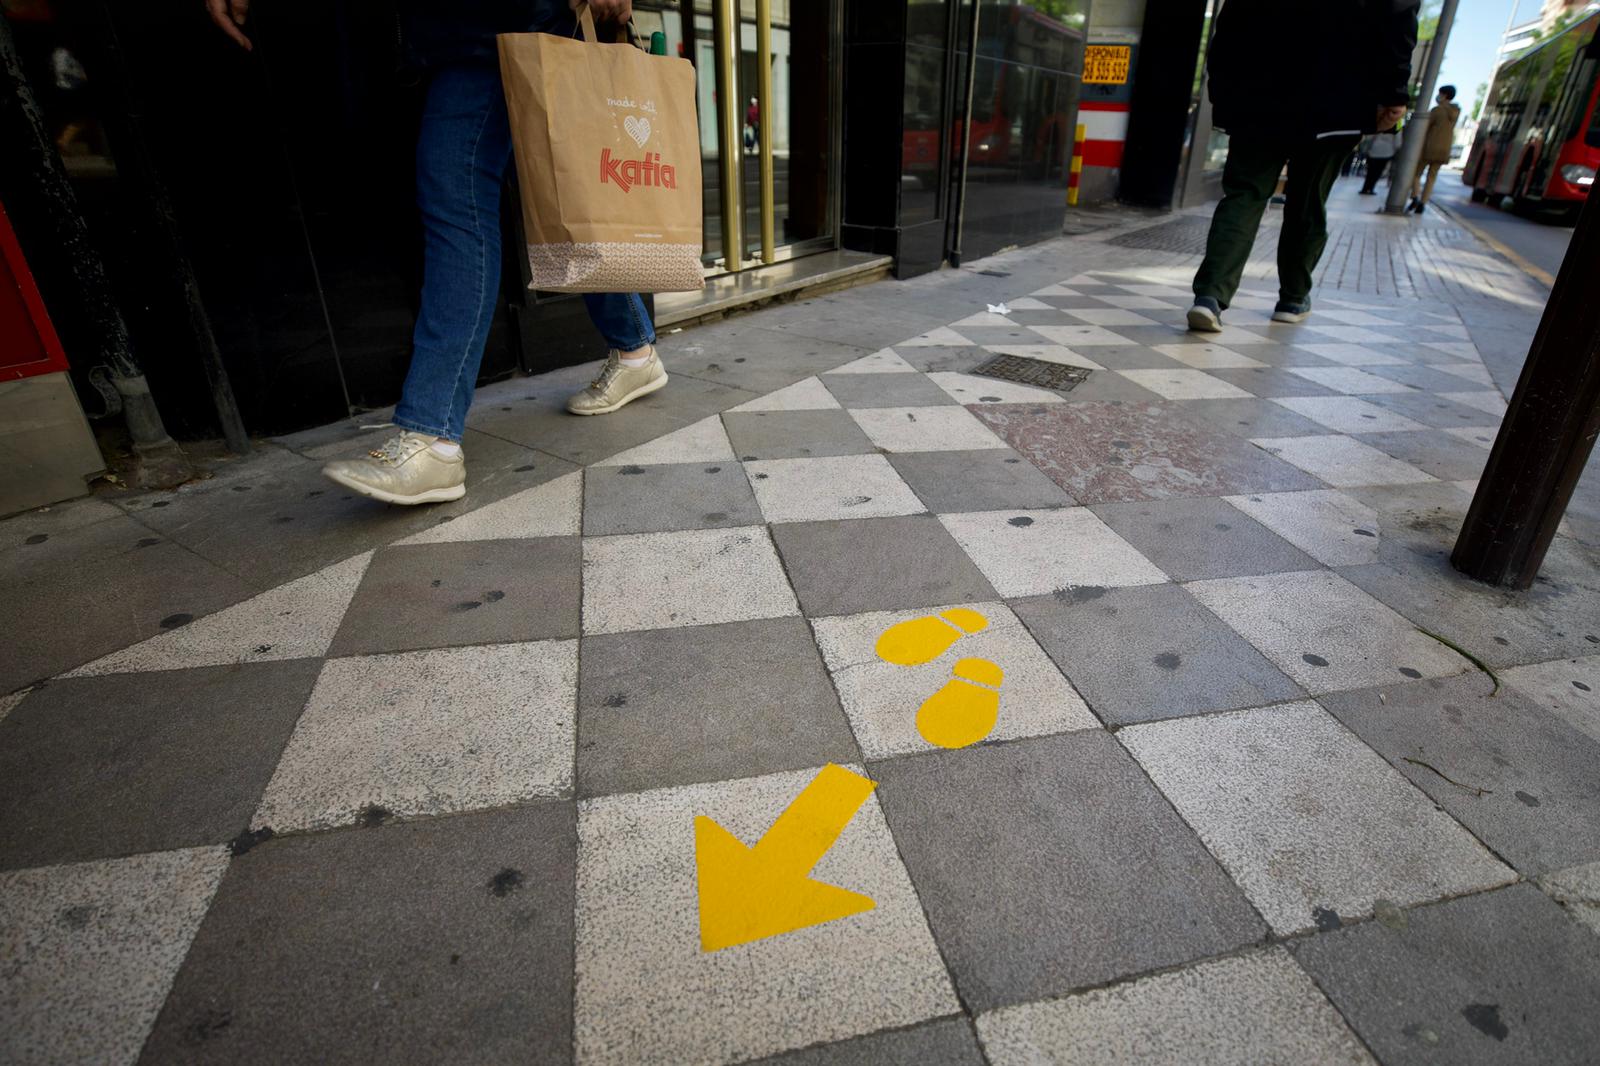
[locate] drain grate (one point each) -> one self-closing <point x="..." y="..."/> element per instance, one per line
<point x="1036" y="372"/>
<point x="1186" y="236"/>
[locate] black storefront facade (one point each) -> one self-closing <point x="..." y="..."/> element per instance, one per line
<point x="261" y="205"/>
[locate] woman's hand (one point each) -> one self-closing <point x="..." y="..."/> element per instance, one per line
<point x="229" y="15"/>
<point x="618" y="11"/>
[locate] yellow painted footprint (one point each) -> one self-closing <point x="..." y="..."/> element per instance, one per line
<point x="966" y="709"/>
<point x="922" y="640"/>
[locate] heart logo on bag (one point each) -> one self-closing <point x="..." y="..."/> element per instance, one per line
<point x="638" y="129"/>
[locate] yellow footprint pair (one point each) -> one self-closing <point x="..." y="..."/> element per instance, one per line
<point x="966" y="709"/>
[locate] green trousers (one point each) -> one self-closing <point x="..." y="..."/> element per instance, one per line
<point x="1249" y="180"/>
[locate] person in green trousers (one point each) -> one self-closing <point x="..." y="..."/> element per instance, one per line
<point x="1294" y="85"/>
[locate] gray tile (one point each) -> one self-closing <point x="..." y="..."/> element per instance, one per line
<point x="1445" y="457"/>
<point x="885" y="390"/>
<point x="1578" y="892"/>
<point x="1504" y="977"/>
<point x="474" y="592"/>
<point x="934" y="360"/>
<point x="1130" y="357"/>
<point x="988" y="479"/>
<point x="1143" y="654"/>
<point x="1251" y="418"/>
<point x="1309" y="821"/>
<point x="446" y="940"/>
<point x="755" y="358"/>
<point x="1047" y="865"/>
<point x="1569" y="688"/>
<point x="703" y="703"/>
<point x="877" y="564"/>
<point x="1271" y="381"/>
<point x="159" y="586"/>
<point x="795" y="434"/>
<point x="947" y="1042"/>
<point x="1420" y="377"/>
<point x="91" y="950"/>
<point x="1239" y="1011"/>
<point x="102" y="766"/>
<point x="1199" y="538"/>
<point x="1521" y="779"/>
<point x="654" y="499"/>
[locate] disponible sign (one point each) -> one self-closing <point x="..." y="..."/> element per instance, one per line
<point x="1107" y="64"/>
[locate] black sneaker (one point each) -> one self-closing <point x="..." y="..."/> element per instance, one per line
<point x="1292" y="311"/>
<point x="1205" y="316"/>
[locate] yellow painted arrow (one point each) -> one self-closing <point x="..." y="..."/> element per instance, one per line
<point x="749" y="893"/>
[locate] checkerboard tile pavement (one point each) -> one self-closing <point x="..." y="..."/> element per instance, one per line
<point x="457" y="775"/>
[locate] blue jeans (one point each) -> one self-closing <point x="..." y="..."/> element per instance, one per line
<point x="462" y="154"/>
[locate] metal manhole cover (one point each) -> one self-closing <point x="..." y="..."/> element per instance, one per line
<point x="1036" y="372"/>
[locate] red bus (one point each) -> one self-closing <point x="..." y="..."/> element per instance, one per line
<point x="1539" y="139"/>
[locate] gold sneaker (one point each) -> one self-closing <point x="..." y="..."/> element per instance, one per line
<point x="618" y="385"/>
<point x="405" y="470"/>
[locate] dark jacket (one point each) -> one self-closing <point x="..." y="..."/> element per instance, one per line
<point x="1300" y="68"/>
<point x="437" y="33"/>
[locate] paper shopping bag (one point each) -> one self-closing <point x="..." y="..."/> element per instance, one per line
<point x="608" y="159"/>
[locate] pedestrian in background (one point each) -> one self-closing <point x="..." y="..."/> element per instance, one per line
<point x="1298" y="84"/>
<point x="1381" y="149"/>
<point x="1437" y="143"/>
<point x="463" y="149"/>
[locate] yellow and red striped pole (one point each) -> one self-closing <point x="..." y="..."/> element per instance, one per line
<point x="1076" y="172"/>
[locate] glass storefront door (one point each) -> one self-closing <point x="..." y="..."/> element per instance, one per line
<point x="796" y="129"/>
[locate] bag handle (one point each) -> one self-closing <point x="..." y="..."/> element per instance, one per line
<point x="587" y="30"/>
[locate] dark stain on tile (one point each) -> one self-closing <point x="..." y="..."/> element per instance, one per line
<point x="1409" y="672"/>
<point x="506" y="881"/>
<point x="173" y="621"/>
<point x="1485" y="1017"/>
<point x="249" y="839"/>
<point x="1313" y="659"/>
<point x="37" y="538"/>
<point x="373" y="815"/>
<point x="1168" y="660"/>
<point x="1327" y="920"/>
<point x="1527" y="799"/>
<point x="1021" y="521"/>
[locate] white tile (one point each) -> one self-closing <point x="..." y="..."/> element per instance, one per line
<point x="685" y="578"/>
<point x="1110" y="316"/>
<point x="90" y="951"/>
<point x="1476" y="373"/>
<point x="553" y="509"/>
<point x="1577" y="890"/>
<point x="1050" y="353"/>
<point x="1028" y="303"/>
<point x="1254" y="1008"/>
<point x="1079" y="336"/>
<point x="427" y="733"/>
<point x="972" y="389"/>
<point x="1178" y="384"/>
<point x="1324" y="523"/>
<point x="883" y="361"/>
<point x="1350" y="354"/>
<point x="1057" y="290"/>
<point x="1570" y="688"/>
<point x="1307" y="818"/>
<point x="8" y="703"/>
<point x="925" y="429"/>
<point x="704" y="441"/>
<point x="1481" y="436"/>
<point x="806" y="395"/>
<point x="1234" y="337"/>
<point x="1342" y="461"/>
<point x="647" y="993"/>
<point x="1453" y="329"/>
<point x="881" y="699"/>
<point x="1144" y="303"/>
<point x="837" y="487"/>
<point x="1324" y="632"/>
<point x="1347" y="414"/>
<point x="1349" y="380"/>
<point x="1160" y="292"/>
<point x="1461" y="349"/>
<point x="1354" y="318"/>
<point x="943" y="337"/>
<point x="1207" y="356"/>
<point x="1487" y="400"/>
<point x="1028" y="553"/>
<point x="293" y="621"/>
<point x="1349" y="334"/>
<point x="988" y="318"/>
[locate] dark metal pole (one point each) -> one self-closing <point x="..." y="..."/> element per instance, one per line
<point x="1548" y="431"/>
<point x="966" y="135"/>
<point x="1416" y="131"/>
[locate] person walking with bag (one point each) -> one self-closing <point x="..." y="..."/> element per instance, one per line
<point x="1296" y="84"/>
<point x="1381" y="150"/>
<point x="463" y="150"/>
<point x="1437" y="142"/>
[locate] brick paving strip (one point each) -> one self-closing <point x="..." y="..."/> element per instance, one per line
<point x="314" y="780"/>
